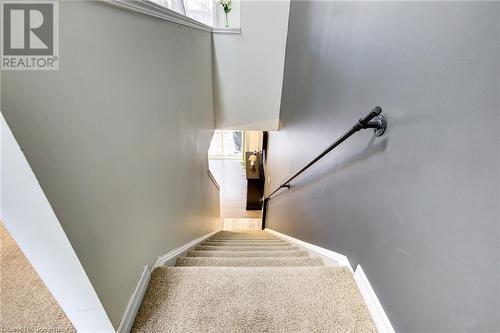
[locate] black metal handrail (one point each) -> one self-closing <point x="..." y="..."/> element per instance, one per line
<point x="373" y="119"/>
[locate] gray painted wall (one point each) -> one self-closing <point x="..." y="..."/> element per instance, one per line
<point x="118" y="139"/>
<point x="418" y="208"/>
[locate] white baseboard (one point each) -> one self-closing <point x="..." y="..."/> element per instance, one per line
<point x="377" y="312"/>
<point x="135" y="302"/>
<point x="138" y="294"/>
<point x="177" y="252"/>
<point x="330" y="258"/>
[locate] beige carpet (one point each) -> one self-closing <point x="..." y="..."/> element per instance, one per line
<point x="246" y="248"/>
<point x="251" y="254"/>
<point x="252" y="291"/>
<point x="249" y="262"/>
<point x="244" y="243"/>
<point x="26" y="304"/>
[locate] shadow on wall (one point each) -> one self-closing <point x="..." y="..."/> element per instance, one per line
<point x="370" y="150"/>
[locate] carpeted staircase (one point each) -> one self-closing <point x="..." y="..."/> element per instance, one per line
<point x="252" y="282"/>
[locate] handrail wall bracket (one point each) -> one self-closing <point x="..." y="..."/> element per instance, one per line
<point x="380" y="124"/>
<point x="374" y="120"/>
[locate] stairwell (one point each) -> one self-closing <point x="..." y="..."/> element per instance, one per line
<point x="252" y="281"/>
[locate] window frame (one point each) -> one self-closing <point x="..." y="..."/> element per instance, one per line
<point x="151" y="8"/>
<point x="239" y="157"/>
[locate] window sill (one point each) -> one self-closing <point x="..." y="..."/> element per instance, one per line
<point x="150" y="8"/>
<point x="226" y="30"/>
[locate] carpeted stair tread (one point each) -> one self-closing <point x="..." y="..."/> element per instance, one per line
<point x="253" y="299"/>
<point x="274" y="240"/>
<point x="243" y="235"/>
<point x="247" y="248"/>
<point x="243" y="238"/>
<point x="299" y="253"/>
<point x="245" y="243"/>
<point x="249" y="262"/>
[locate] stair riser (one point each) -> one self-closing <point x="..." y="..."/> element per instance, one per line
<point x="245" y="238"/>
<point x="247" y="254"/>
<point x="244" y="244"/>
<point x="249" y="262"/>
<point x="251" y="243"/>
<point x="250" y="248"/>
<point x="244" y="233"/>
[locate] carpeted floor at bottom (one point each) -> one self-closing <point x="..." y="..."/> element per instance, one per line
<point x="26" y="304"/>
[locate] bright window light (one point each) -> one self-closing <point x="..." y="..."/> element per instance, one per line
<point x="226" y="144"/>
<point x="199" y="10"/>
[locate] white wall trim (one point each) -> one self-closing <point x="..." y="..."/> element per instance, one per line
<point x="326" y="254"/>
<point x="226" y="31"/>
<point x="135" y="302"/>
<point x="177" y="252"/>
<point x="377" y="312"/>
<point x="150" y="8"/>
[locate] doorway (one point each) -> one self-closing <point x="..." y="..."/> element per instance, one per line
<point x="227" y="164"/>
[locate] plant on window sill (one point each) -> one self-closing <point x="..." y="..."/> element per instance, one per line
<point x="226" y="5"/>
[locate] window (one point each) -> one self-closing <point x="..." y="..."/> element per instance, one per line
<point x="164" y="3"/>
<point x="200" y="10"/>
<point x="226" y="144"/>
